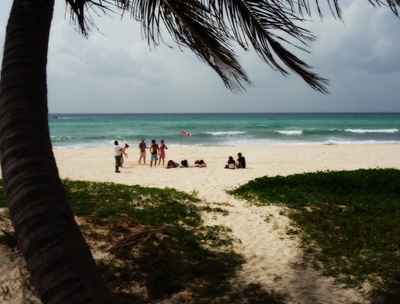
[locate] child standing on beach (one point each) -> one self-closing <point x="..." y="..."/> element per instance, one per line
<point x="163" y="147"/>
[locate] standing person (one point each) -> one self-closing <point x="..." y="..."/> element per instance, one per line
<point x="163" y="147"/>
<point x="154" y="150"/>
<point x="142" y="148"/>
<point x="241" y="161"/>
<point x="124" y="154"/>
<point x="118" y="156"/>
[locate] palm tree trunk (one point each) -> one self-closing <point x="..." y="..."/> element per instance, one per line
<point x="59" y="261"/>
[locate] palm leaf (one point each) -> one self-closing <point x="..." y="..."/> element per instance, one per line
<point x="254" y="21"/>
<point x="191" y="24"/>
<point x="211" y="27"/>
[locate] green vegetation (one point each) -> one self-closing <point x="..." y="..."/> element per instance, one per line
<point x="349" y="222"/>
<point x="158" y="242"/>
<point x="156" y="245"/>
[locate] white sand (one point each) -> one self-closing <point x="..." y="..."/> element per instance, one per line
<point x="271" y="254"/>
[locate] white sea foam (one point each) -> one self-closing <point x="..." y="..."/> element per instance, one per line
<point x="60" y="138"/>
<point x="361" y="131"/>
<point x="291" y="132"/>
<point x="226" y="133"/>
<point x="360" y="142"/>
<point x="63" y="117"/>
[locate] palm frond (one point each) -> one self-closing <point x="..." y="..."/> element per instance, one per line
<point x="256" y="21"/>
<point x="210" y="27"/>
<point x="393" y="4"/>
<point x="191" y="24"/>
<point x="80" y="11"/>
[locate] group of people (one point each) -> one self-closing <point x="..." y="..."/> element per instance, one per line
<point x="240" y="163"/>
<point x="157" y="153"/>
<point x="184" y="164"/>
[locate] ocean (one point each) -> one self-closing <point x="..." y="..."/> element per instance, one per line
<point x="246" y="129"/>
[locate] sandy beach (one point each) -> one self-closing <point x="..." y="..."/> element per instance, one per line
<point x="271" y="254"/>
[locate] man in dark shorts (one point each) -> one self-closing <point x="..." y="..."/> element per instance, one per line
<point x="118" y="155"/>
<point x="154" y="150"/>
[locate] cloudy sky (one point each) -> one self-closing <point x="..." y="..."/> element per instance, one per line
<point x="114" y="71"/>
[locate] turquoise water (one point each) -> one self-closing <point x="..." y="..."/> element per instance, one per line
<point x="100" y="130"/>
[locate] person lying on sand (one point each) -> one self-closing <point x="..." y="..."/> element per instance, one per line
<point x="199" y="164"/>
<point x="171" y="164"/>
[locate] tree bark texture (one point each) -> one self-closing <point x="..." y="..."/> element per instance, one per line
<point x="59" y="260"/>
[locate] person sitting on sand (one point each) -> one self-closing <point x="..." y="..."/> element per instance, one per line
<point x="231" y="164"/>
<point x="241" y="161"/>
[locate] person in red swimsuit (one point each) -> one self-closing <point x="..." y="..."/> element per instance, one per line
<point x="163" y="147"/>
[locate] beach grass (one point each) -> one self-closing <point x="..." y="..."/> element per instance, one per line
<point x="154" y="244"/>
<point x="349" y="222"/>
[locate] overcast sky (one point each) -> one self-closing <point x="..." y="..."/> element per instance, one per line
<point x="115" y="71"/>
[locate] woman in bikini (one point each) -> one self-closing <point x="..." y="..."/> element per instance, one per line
<point x="163" y="147"/>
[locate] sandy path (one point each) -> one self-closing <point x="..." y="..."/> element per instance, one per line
<point x="273" y="257"/>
